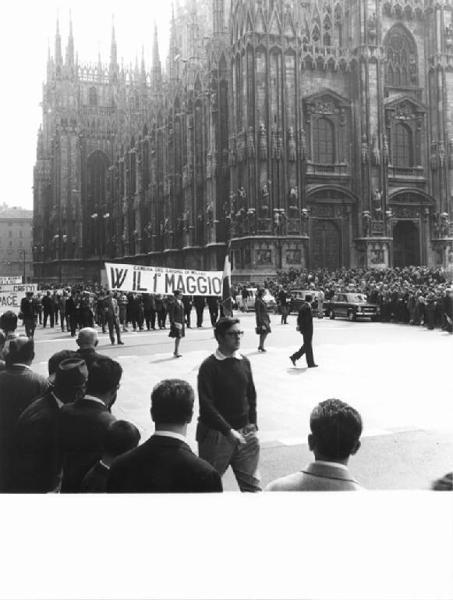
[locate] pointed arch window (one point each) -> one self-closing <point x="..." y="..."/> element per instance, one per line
<point x="324" y="141"/>
<point x="403" y="152"/>
<point x="92" y="96"/>
<point x="401" y="54"/>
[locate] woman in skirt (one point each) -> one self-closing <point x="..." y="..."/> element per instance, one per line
<point x="177" y="321"/>
<point x="263" y="322"/>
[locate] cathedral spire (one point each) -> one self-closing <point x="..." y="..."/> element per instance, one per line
<point x="218" y="16"/>
<point x="58" y="54"/>
<point x="143" y="67"/>
<point x="173" y="54"/>
<point x="113" y="52"/>
<point x="70" y="46"/>
<point x="156" y="71"/>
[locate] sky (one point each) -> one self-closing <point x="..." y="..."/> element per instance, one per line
<point x="26" y="30"/>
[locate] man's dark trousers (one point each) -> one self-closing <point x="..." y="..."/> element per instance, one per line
<point x="306" y="349"/>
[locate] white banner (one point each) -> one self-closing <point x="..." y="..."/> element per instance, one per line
<point x="160" y="280"/>
<point x="22" y="287"/>
<point x="11" y="301"/>
<point x="9" y="280"/>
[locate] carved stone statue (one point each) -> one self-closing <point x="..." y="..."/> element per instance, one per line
<point x="375" y="152"/>
<point x="364" y="150"/>
<point x="265" y="196"/>
<point x="262" y="142"/>
<point x="385" y="150"/>
<point x="291" y="145"/>
<point x="293" y="197"/>
<point x="251" y="143"/>
<point x="433" y="157"/>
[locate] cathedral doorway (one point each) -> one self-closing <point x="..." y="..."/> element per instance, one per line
<point x="406" y="244"/>
<point x="325" y="245"/>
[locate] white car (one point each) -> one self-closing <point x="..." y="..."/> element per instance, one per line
<point x="249" y="303"/>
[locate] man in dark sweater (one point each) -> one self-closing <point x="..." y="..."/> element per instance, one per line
<point x="226" y="432"/>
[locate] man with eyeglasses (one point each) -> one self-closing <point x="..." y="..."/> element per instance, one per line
<point x="227" y="430"/>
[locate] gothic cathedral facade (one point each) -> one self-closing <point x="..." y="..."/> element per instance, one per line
<point x="301" y="133"/>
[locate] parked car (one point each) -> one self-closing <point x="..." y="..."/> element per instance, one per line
<point x="352" y="306"/>
<point x="249" y="303"/>
<point x="299" y="296"/>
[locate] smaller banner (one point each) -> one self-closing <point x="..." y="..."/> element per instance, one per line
<point x="7" y="279"/>
<point x="22" y="287"/>
<point x="160" y="280"/>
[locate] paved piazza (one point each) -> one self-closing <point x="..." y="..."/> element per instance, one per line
<point x="398" y="377"/>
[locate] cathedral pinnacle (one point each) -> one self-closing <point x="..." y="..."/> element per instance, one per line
<point x="70" y="46"/>
<point x="58" y="54"/>
<point x="113" y="51"/>
<point x="156" y="71"/>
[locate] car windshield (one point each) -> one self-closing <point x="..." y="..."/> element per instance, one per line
<point x="357" y="298"/>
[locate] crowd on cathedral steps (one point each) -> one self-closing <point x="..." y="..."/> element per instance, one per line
<point x="58" y="434"/>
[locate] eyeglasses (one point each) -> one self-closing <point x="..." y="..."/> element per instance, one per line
<point x="235" y="333"/>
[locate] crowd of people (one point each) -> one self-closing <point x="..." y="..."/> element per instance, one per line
<point x="412" y="295"/>
<point x="74" y="308"/>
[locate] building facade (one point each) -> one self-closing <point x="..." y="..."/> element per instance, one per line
<point x="305" y="133"/>
<point x="16" y="242"/>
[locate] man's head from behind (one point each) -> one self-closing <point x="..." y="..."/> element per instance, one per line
<point x="104" y="379"/>
<point x="228" y="334"/>
<point x="8" y="321"/>
<point x="20" y="350"/>
<point x="87" y="338"/>
<point x="120" y="437"/>
<point x="59" y="356"/>
<point x="336" y="428"/>
<point x="172" y="403"/>
<point x="69" y="380"/>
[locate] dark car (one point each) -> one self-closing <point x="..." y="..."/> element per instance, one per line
<point x="353" y="306"/>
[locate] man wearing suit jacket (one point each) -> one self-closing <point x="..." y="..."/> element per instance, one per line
<point x="29" y="312"/>
<point x="165" y="463"/>
<point x="19" y="386"/>
<point x="305" y="326"/>
<point x="177" y="321"/>
<point x="336" y="428"/>
<point x="87" y="340"/>
<point x="37" y="461"/>
<point x="83" y="424"/>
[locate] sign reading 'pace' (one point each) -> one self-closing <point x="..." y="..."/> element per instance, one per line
<point x="160" y="280"/>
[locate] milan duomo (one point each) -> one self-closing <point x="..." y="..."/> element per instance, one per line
<point x="306" y="133"/>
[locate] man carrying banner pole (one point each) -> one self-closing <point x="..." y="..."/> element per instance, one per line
<point x="227" y="300"/>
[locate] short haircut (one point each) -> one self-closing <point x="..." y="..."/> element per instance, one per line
<point x="172" y="402"/>
<point x="336" y="428"/>
<point x="20" y="350"/>
<point x="120" y="437"/>
<point x="56" y="359"/>
<point x="222" y="326"/>
<point x="8" y="321"/>
<point x="308" y="298"/>
<point x="104" y="375"/>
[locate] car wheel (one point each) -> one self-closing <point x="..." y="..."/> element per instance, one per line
<point x="332" y="314"/>
<point x="351" y="316"/>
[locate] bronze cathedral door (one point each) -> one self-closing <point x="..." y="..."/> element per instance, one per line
<point x="325" y="245"/>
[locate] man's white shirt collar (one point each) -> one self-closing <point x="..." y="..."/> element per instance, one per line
<point x="57" y="400"/>
<point x="170" y="434"/>
<point x="94" y="399"/>
<point x="331" y="464"/>
<point x="236" y="354"/>
<point x="22" y="365"/>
